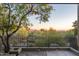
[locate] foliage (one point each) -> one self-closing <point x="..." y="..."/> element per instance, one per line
<point x="41" y="43"/>
<point x="14" y="16"/>
<point x="75" y="25"/>
<point x="46" y="38"/>
<point x="22" y="32"/>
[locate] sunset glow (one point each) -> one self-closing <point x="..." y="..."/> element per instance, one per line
<point x="61" y="18"/>
<point x="48" y="26"/>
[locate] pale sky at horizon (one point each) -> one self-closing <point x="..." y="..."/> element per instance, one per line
<point x="60" y="19"/>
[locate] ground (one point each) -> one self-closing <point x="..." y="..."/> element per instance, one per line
<point x="48" y="53"/>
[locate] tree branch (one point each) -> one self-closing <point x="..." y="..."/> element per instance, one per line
<point x="8" y="23"/>
<point x="2" y="40"/>
<point x="21" y="21"/>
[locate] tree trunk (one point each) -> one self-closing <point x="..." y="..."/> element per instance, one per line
<point x="6" y="49"/>
<point x="7" y="46"/>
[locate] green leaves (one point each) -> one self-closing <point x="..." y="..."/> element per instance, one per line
<point x="42" y="10"/>
<point x="41" y="43"/>
<point x="75" y="25"/>
<point x="44" y="38"/>
<point x="14" y="16"/>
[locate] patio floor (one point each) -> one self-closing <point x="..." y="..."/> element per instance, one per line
<point x="48" y="53"/>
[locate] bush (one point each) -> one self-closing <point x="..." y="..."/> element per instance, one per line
<point x="46" y="38"/>
<point x="41" y="43"/>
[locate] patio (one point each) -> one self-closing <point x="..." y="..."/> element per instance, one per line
<point x="45" y="51"/>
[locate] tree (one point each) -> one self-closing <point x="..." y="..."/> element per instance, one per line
<point x="74" y="41"/>
<point x="75" y="25"/>
<point x="13" y="16"/>
<point x="42" y="30"/>
<point x="41" y="43"/>
<point x="51" y="29"/>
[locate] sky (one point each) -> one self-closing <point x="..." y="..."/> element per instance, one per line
<point x="61" y="18"/>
